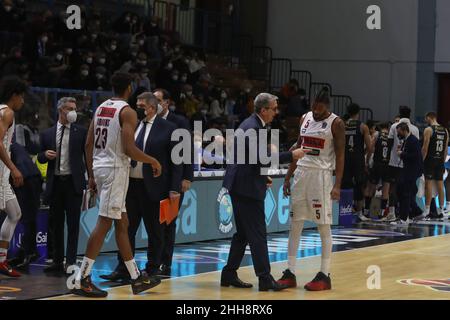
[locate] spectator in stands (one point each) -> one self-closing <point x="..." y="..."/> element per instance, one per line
<point x="289" y="90"/>
<point x="101" y="81"/>
<point x="163" y="75"/>
<point x="202" y="116"/>
<point x="188" y="102"/>
<point x="12" y="64"/>
<point x="113" y="53"/>
<point x="9" y="26"/>
<point x="83" y="80"/>
<point x="217" y="107"/>
<point x="37" y="47"/>
<point x="143" y="80"/>
<point x="56" y="68"/>
<point x="297" y="104"/>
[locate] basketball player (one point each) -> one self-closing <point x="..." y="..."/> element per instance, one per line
<point x="357" y="145"/>
<point x="434" y="152"/>
<point x="12" y="91"/>
<point x="322" y="132"/>
<point x="379" y="171"/>
<point x="109" y="146"/>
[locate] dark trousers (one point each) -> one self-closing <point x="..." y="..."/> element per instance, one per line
<point x="140" y="208"/>
<point x="406" y="191"/>
<point x="169" y="239"/>
<point x="65" y="203"/>
<point x="250" y="229"/>
<point x="28" y="197"/>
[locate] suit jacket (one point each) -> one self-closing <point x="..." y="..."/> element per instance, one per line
<point x="412" y="159"/>
<point x="23" y="161"/>
<point x="183" y="123"/>
<point x="246" y="179"/>
<point x="77" y="161"/>
<point x="159" y="146"/>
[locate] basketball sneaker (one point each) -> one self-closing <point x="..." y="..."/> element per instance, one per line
<point x="384" y="215"/>
<point x="288" y="279"/>
<point x="6" y="270"/>
<point x="89" y="290"/>
<point x="362" y="217"/>
<point x="144" y="283"/>
<point x="400" y="222"/>
<point x="390" y="217"/>
<point x="319" y="283"/>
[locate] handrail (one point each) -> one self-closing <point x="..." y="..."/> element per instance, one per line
<point x="279" y="69"/>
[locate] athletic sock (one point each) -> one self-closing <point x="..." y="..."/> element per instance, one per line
<point x="3" y="254"/>
<point x="447" y="205"/>
<point x="295" y="234"/>
<point x="427" y="210"/>
<point x="392" y="210"/>
<point x="327" y="245"/>
<point x="133" y="269"/>
<point x="86" y="268"/>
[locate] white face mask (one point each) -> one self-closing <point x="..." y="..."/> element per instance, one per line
<point x="175" y="78"/>
<point x="247" y="90"/>
<point x="224" y="95"/>
<point x="8" y="8"/>
<point x="204" y="112"/>
<point x="169" y="66"/>
<point x="71" y="116"/>
<point x="172" y="108"/>
<point x="113" y="47"/>
<point x="99" y="76"/>
<point x="85" y="73"/>
<point x="59" y="57"/>
<point x="89" y="60"/>
<point x="141" y="42"/>
<point x="69" y="50"/>
<point x="160" y="109"/>
<point x="189" y="93"/>
<point x="44" y="39"/>
<point x="102" y="60"/>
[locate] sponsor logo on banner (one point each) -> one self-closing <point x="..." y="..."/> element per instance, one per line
<point x="442" y="285"/>
<point x="224" y="211"/>
<point x="269" y="206"/>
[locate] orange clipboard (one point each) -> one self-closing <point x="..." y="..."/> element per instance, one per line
<point x="168" y="210"/>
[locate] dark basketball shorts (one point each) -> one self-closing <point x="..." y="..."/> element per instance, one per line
<point x="434" y="170"/>
<point x="379" y="172"/>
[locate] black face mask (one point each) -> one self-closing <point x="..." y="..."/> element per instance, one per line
<point x="400" y="137"/>
<point x="140" y="114"/>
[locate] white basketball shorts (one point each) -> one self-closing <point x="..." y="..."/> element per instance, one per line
<point x="112" y="187"/>
<point x="310" y="195"/>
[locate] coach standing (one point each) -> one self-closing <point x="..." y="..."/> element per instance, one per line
<point x="62" y="146"/>
<point x="247" y="188"/>
<point x="187" y="176"/>
<point x="153" y="136"/>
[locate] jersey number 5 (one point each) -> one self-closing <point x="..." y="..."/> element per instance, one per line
<point x="101" y="138"/>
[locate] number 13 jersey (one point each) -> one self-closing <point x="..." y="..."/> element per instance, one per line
<point x="108" y="148"/>
<point x="318" y="137"/>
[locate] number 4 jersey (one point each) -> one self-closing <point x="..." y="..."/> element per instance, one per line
<point x="318" y="137"/>
<point x="108" y="149"/>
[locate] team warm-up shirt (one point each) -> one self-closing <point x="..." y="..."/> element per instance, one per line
<point x="354" y="140"/>
<point x="382" y="153"/>
<point x="318" y="137"/>
<point x="437" y="148"/>
<point x="108" y="150"/>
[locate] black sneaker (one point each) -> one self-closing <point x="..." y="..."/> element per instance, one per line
<point x="144" y="283"/>
<point x="89" y="290"/>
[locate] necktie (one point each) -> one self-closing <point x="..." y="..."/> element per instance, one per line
<point x="140" y="142"/>
<point x="60" y="138"/>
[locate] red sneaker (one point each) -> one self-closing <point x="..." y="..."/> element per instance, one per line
<point x="8" y="271"/>
<point x="319" y="283"/>
<point x="288" y="279"/>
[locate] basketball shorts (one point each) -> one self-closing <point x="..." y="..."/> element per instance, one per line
<point x="6" y="194"/>
<point x="434" y="170"/>
<point x="310" y="195"/>
<point x="378" y="173"/>
<point x="112" y="187"/>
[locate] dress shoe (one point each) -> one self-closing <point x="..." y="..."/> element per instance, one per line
<point x="55" y="268"/>
<point x="233" y="281"/>
<point x="165" y="271"/>
<point x="27" y="261"/>
<point x="116" y="276"/>
<point x="269" y="283"/>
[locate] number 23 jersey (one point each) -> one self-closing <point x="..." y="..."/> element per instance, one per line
<point x="108" y="148"/>
<point x="318" y="137"/>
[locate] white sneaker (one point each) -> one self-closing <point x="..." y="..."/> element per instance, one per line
<point x="400" y="223"/>
<point x="362" y="217"/>
<point x="390" y="217"/>
<point x="419" y="218"/>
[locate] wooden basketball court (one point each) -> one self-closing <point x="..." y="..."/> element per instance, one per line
<point x="420" y="259"/>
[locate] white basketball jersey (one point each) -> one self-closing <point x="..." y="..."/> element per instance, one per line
<point x="7" y="140"/>
<point x="318" y="137"/>
<point x="108" y="149"/>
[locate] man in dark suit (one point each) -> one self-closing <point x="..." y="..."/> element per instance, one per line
<point x="145" y="192"/>
<point x="247" y="188"/>
<point x="187" y="176"/>
<point x="62" y="147"/>
<point x="411" y="154"/>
